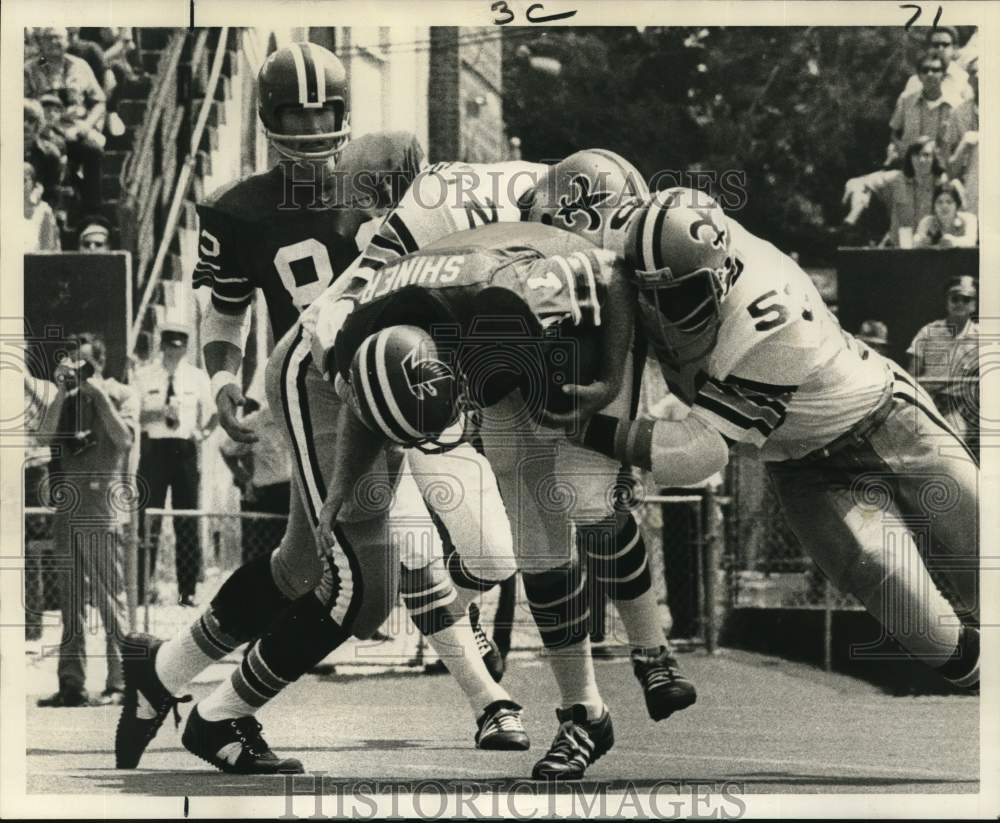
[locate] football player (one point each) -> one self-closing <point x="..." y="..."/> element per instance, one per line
<point x="590" y="193"/>
<point x="494" y="319"/>
<point x="879" y="490"/>
<point x="290" y="232"/>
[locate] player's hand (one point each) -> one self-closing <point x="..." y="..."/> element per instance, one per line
<point x="227" y="401"/>
<point x="587" y="401"/>
<point x="327" y="517"/>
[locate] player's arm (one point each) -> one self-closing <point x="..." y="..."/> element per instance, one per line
<point x="358" y="447"/>
<point x="226" y="321"/>
<point x="677" y="452"/>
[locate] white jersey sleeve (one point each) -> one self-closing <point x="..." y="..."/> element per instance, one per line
<point x="784" y="377"/>
<point x="448" y="198"/>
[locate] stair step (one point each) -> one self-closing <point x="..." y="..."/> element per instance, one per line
<point x="151" y="61"/>
<point x="114" y="160"/>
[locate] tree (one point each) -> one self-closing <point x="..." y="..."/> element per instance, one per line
<point x="797" y="110"/>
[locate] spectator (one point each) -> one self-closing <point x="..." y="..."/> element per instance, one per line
<point x="907" y="193"/>
<point x="924" y="112"/>
<point x="941" y="42"/>
<point x="95" y="235"/>
<point x="68" y="76"/>
<point x="948" y="227"/>
<point x="177" y="413"/>
<point x="963" y="134"/>
<point x="263" y="473"/>
<point x="106" y="75"/>
<point x="875" y="334"/>
<point x="44" y="154"/>
<point x="41" y="232"/>
<point x="91" y="424"/>
<point x="944" y="357"/>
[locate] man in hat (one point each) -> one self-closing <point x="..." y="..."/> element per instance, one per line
<point x="95" y="235"/>
<point x="944" y="357"/>
<point x="875" y="334"/>
<point x="177" y="412"/>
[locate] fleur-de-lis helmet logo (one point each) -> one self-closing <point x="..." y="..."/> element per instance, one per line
<point x="583" y="201"/>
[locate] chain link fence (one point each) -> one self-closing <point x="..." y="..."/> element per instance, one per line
<point x="683" y="546"/>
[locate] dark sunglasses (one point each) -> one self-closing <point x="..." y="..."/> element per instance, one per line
<point x="960" y="298"/>
<point x="931" y="70"/>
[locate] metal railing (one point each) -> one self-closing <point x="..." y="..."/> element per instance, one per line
<point x="183" y="180"/>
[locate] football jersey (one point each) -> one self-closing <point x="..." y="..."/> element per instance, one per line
<point x="783" y="377"/>
<point x="449" y="198"/>
<point x="476" y="287"/>
<point x="278" y="232"/>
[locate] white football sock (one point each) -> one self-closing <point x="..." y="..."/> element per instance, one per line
<point x="456" y="646"/>
<point x="573" y="669"/>
<point x="224" y="703"/>
<point x="641" y="620"/>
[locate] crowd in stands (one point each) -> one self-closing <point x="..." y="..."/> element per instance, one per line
<point x="929" y="184"/>
<point x="72" y="81"/>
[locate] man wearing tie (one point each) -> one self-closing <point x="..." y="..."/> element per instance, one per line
<point x="176" y="414"/>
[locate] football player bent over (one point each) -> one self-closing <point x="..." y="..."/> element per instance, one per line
<point x="591" y="193"/>
<point x="490" y="323"/>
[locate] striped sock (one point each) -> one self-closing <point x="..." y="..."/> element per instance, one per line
<point x="427" y="594"/>
<point x="252" y="685"/>
<point x="621" y="566"/>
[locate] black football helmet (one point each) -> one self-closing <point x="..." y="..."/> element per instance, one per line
<point x="307" y="77"/>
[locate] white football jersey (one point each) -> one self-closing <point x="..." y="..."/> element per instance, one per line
<point x="783" y="377"/>
<point x="447" y="198"/>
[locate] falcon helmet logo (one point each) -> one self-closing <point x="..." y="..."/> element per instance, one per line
<point x="582" y="200"/>
<point x="423" y="372"/>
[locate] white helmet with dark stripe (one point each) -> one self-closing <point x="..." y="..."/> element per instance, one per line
<point x="677" y="252"/>
<point x="403" y="389"/>
<point x="307" y="78"/>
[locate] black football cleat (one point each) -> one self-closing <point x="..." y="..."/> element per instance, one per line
<point x="578" y="743"/>
<point x="235" y="746"/>
<point x="488" y="650"/>
<point x="134" y="733"/>
<point x="500" y="728"/>
<point x="665" y="688"/>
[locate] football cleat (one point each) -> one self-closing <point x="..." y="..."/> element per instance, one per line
<point x="235" y="746"/>
<point x="134" y="733"/>
<point x="501" y="728"/>
<point x="665" y="688"/>
<point x="488" y="650"/>
<point x="578" y="743"/>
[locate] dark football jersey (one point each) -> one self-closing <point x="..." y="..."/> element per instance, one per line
<point x="491" y="287"/>
<point x="279" y="232"/>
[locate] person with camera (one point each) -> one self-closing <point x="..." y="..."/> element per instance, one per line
<point x="90" y="425"/>
<point x="177" y="414"/>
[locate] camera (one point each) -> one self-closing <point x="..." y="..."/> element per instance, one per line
<point x="77" y="373"/>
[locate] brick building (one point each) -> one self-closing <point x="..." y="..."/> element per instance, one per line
<point x="465" y="106"/>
